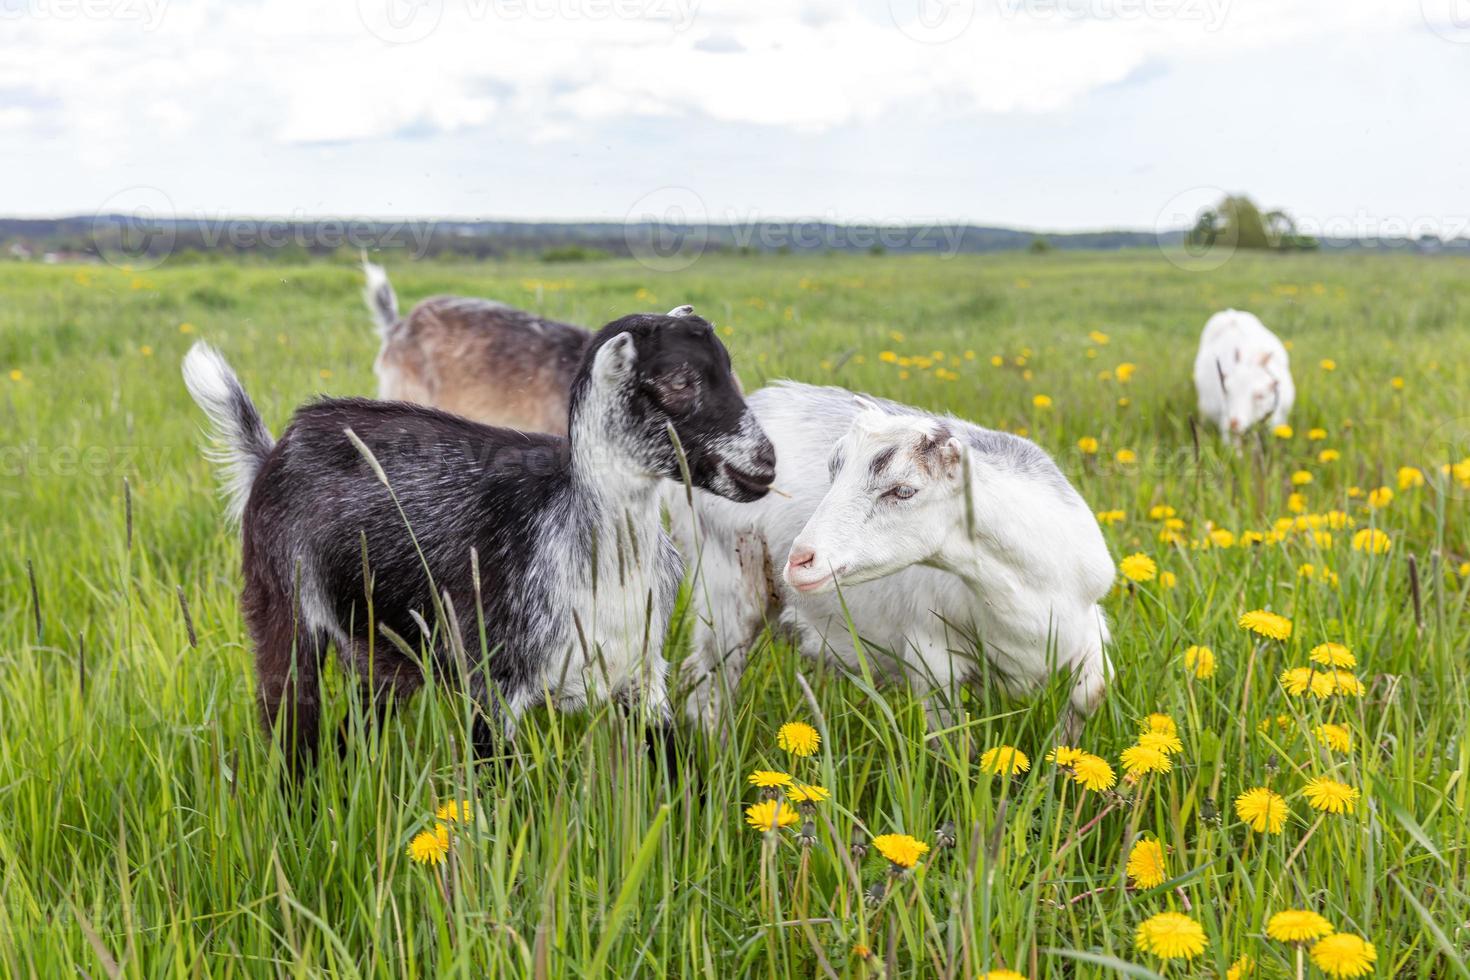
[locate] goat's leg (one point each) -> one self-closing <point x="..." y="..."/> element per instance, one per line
<point x="385" y="678"/>
<point x="648" y="700"/>
<point x="288" y="659"/>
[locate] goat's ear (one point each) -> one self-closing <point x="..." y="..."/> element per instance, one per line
<point x="952" y="458"/>
<point x="615" y="358"/>
<point x="685" y="310"/>
<point x="864" y="404"/>
<point x="1265" y="359"/>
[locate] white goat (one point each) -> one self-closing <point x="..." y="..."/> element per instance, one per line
<point x="939" y="532"/>
<point x="1242" y="374"/>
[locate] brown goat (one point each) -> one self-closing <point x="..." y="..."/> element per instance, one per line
<point x="476" y="358"/>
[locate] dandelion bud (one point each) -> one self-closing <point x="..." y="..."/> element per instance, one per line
<point x="859" y="846"/>
<point x="808" y="835"/>
<point x="945" y="835"/>
<point x="873" y="895"/>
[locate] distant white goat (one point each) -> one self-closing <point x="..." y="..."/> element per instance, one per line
<point x="1242" y="374"/>
<point x="939" y="533"/>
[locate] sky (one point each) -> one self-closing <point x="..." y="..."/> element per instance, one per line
<point x="1045" y="114"/>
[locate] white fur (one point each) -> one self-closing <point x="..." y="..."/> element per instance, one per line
<point x="918" y="580"/>
<point x="217" y="390"/>
<point x="1242" y="374"/>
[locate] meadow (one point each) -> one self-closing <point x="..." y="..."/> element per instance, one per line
<point x="144" y="831"/>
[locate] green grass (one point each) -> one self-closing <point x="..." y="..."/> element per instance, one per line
<point x="142" y="832"/>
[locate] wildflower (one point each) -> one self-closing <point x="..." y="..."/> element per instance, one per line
<point x="1299" y="680"/>
<point x="1296" y="503"/>
<point x="1140" y="759"/>
<point x="1335" y="737"/>
<point x="1168" y="580"/>
<point x="1282" y="432"/>
<point x="808" y="793"/>
<point x="1093" y="772"/>
<point x="1344" y="682"/>
<point x="1241" y="968"/>
<point x="1138" y="568"/>
<point x="430" y="846"/>
<point x="888" y="357"/>
<point x="807" y="836"/>
<point x="1380" y="498"/>
<point x="186" y="328"/>
<point x="1267" y="624"/>
<point x="1410" y="477"/>
<point x="1004" y="759"/>
<point x="1171" y="936"/>
<point x="768" y="779"/>
<point x="1124" y="402"/>
<point x="1297" y="926"/>
<point x="1200" y="661"/>
<point x="325" y="374"/>
<point x="997" y="361"/>
<point x="1396" y="383"/>
<point x="900" y="849"/>
<point x="1124" y="372"/>
<point x="798" y="738"/>
<point x="1371" y="540"/>
<point x="1097" y="337"/>
<point x="1261" y="809"/>
<point x="1126" y="456"/>
<point x="1327" y="795"/>
<point x="15" y="374"/>
<point x="1002" y="975"/>
<point x="1041" y="401"/>
<point x="1147" y="867"/>
<point x="1087" y="444"/>
<point x="455" y="811"/>
<point x="1316" y="435"/>
<point x="1161" y="512"/>
<point x="1333" y="655"/>
<point x="771" y="815"/>
<point x="1221" y="538"/>
<point x="1329" y="456"/>
<point x="1301" y="478"/>
<point x="1163" y="741"/>
<point x="944" y="835"/>
<point x="1327" y="364"/>
<point x="146" y="350"/>
<point x="1064" y="755"/>
<point x="1343" y="954"/>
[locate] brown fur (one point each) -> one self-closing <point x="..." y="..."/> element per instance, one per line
<point x="483" y="360"/>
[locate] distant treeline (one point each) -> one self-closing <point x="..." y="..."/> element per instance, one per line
<point x="124" y="237"/>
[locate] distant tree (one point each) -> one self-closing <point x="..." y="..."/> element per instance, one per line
<point x="1039" y="245"/>
<point x="1236" y="221"/>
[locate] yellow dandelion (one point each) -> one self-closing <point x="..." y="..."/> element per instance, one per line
<point x="901" y="849"/>
<point x="1241" y="968"/>
<point x="1087" y="444"/>
<point x="1299" y="680"/>
<point x="1267" y="624"/>
<point x="1297" y="926"/>
<point x="1327" y="364"/>
<point x="1002" y="975"/>
<point x="1126" y="456"/>
<point x="1093" y="772"/>
<point x="1125" y="372"/>
<point x="1263" y="810"/>
<point x="1200" y="661"/>
<point x="1167" y="580"/>
<point x="1301" y="478"/>
<point x="1344" y="954"/>
<point x="1171" y="936"/>
<point x="1140" y="759"/>
<point x="1158" y="722"/>
<point x="1380" y="498"/>
<point x="1064" y="755"/>
<point x="1147" y="865"/>
<point x="430" y="846"/>
<point x="1329" y="456"/>
<point x="798" y="738"/>
<point x="1333" y="655"/>
<point x="1041" y="401"/>
<point x="768" y="779"/>
<point x="808" y="793"/>
<point x="454" y="811"/>
<point x="1371" y="540"/>
<point x="1138" y="568"/>
<point x="1163" y="741"/>
<point x="1004" y="760"/>
<point x="1335" y="737"/>
<point x="1221" y="538"/>
<point x="1110" y="516"/>
<point x="1327" y="795"/>
<point x="15" y="374"/>
<point x="186" y="328"/>
<point x="1282" y="432"/>
<point x="1296" y="503"/>
<point x="1347" y="683"/>
<point x="1410" y="477"/>
<point x="1396" y="383"/>
<point x="1097" y="337"/>
<point x="771" y="815"/>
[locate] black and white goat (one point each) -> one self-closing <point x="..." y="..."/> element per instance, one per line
<point x="577" y="578"/>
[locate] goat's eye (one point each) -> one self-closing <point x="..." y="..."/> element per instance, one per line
<point x="902" y="492"/>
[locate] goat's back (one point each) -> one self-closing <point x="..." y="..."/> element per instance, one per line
<point x="483" y="360"/>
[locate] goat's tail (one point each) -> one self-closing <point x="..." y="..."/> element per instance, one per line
<point x="243" y="440"/>
<point x="382" y="302"/>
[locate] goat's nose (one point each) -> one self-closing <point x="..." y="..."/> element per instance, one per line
<point x="801" y="556"/>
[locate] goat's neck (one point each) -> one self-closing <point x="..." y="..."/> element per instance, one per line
<point x="617" y="489"/>
<point x="961" y="552"/>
